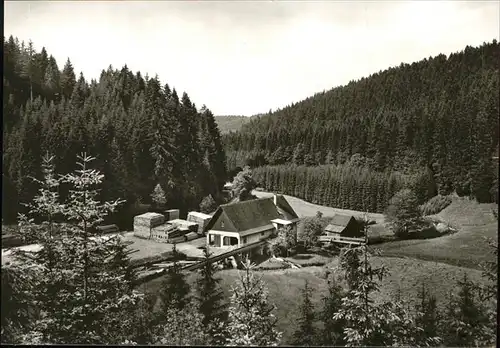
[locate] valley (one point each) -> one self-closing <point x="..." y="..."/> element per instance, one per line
<point x="355" y="212"/>
<point x="438" y="262"/>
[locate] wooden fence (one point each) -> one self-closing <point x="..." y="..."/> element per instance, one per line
<point x="343" y="240"/>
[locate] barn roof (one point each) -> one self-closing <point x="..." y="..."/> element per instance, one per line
<point x="341" y="220"/>
<point x="334" y="228"/>
<point x="282" y="203"/>
<point x="247" y="215"/>
<point x="338" y="223"/>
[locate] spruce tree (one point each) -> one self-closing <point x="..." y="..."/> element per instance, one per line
<point x="251" y="318"/>
<point x="332" y="333"/>
<point x="175" y="289"/>
<point x="76" y="288"/>
<point x="158" y="196"/>
<point x="305" y="334"/>
<point x="211" y="299"/>
<point x="403" y="213"/>
<point x="17" y="308"/>
<point x="367" y="323"/>
<point x="182" y="327"/>
<point x="466" y="321"/>
<point x="428" y="319"/>
<point x="67" y="79"/>
<point x="102" y="286"/>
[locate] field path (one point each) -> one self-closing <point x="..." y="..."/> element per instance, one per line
<point x="303" y="208"/>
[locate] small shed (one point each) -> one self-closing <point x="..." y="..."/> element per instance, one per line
<point x="344" y="226"/>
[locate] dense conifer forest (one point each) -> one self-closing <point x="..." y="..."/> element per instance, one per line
<point x="142" y="133"/>
<point x="433" y="122"/>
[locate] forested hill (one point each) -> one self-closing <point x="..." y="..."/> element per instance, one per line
<point x="231" y="123"/>
<point x="439" y="114"/>
<point x="141" y="132"/>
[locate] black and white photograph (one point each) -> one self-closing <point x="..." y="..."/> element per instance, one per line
<point x="250" y="173"/>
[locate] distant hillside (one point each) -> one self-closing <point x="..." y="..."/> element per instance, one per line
<point x="439" y="114"/>
<point x="231" y="123"/>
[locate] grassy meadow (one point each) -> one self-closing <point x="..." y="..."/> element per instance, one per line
<point x="466" y="248"/>
<point x="406" y="276"/>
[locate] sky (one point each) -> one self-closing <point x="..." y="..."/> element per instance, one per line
<point x="247" y="57"/>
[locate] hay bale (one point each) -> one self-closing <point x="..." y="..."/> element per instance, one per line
<point x="171" y="214"/>
<point x="201" y="219"/>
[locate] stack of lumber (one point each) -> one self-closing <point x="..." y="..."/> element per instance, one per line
<point x="201" y="219"/>
<point x="164" y="228"/>
<point x="184" y="230"/>
<point x="163" y="232"/>
<point x="191" y="236"/>
<point x="176" y="232"/>
<point x="189" y="225"/>
<point x="171" y="214"/>
<point x="177" y="239"/>
<point x="107" y="229"/>
<point x="145" y="222"/>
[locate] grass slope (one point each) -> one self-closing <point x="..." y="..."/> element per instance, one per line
<point x="303" y="208"/>
<point x="466" y="248"/>
<point x="285" y="285"/>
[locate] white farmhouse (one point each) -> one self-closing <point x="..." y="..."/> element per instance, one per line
<point x="238" y="224"/>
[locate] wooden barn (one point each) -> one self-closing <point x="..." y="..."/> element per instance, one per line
<point x="344" y="226"/>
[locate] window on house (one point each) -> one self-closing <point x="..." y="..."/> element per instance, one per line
<point x="227" y="241"/>
<point x="244" y="240"/>
<point x="222" y="224"/>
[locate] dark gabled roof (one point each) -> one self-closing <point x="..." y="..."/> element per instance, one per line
<point x="334" y="228"/>
<point x="282" y="203"/>
<point x="341" y="220"/>
<point x="248" y="214"/>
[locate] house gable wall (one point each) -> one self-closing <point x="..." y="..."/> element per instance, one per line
<point x="222" y="223"/>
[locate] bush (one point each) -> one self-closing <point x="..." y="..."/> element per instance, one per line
<point x="279" y="250"/>
<point x="208" y="205"/>
<point x="300" y="247"/>
<point x="303" y="256"/>
<point x="435" y="205"/>
<point x="332" y="248"/>
<point x="267" y="250"/>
